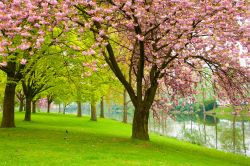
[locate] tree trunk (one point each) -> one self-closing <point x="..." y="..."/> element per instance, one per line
<point x="28" y="109"/>
<point x="93" y="111"/>
<point x="59" y="111"/>
<point x="64" y="108"/>
<point x="21" y="105"/>
<point x="48" y="107"/>
<point x="8" y="118"/>
<point x="79" y="109"/>
<point x="33" y="106"/>
<point x="102" y="108"/>
<point x="125" y="111"/>
<point x="110" y="110"/>
<point x="140" y="124"/>
<point x="49" y="101"/>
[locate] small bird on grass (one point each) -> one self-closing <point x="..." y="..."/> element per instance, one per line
<point x="66" y="136"/>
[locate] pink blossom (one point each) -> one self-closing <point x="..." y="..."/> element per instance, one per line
<point x="87" y="25"/>
<point x="37" y="25"/>
<point x="84" y="53"/>
<point x="97" y="19"/>
<point x="140" y="37"/>
<point x="25" y="34"/>
<point x="4" y="64"/>
<point x="92" y="52"/>
<point x="102" y="33"/>
<point x="23" y="61"/>
<point x="24" y="46"/>
<point x="53" y="2"/>
<point x="2" y="6"/>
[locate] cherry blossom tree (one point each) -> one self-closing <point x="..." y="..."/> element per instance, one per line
<point x="169" y="43"/>
<point x="23" y="27"/>
<point x="166" y="43"/>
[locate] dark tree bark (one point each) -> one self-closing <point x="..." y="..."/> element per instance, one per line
<point x="93" y="111"/>
<point x="140" y="124"/>
<point x="34" y="106"/>
<point x="102" y="108"/>
<point x="125" y="111"/>
<point x="8" y="119"/>
<point x="48" y="107"/>
<point x="142" y="100"/>
<point x="28" y="109"/>
<point x="79" y="109"/>
<point x="49" y="101"/>
<point x="14" y="75"/>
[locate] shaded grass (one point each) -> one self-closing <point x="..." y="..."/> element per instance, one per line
<point x="44" y="141"/>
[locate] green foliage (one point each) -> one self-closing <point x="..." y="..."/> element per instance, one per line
<point x="209" y="105"/>
<point x="184" y="107"/>
<point x="79" y="82"/>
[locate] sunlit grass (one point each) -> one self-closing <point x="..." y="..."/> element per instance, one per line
<point x="226" y="112"/>
<point x="44" y="141"/>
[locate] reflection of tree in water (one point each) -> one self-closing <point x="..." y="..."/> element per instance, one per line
<point x="194" y="137"/>
<point x="231" y="138"/>
<point x="207" y="130"/>
<point x="243" y="136"/>
<point x="197" y="117"/>
<point x="208" y="119"/>
<point x="185" y="117"/>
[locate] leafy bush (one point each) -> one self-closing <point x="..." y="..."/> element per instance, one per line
<point x="209" y="105"/>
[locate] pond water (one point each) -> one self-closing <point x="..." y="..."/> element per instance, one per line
<point x="231" y="134"/>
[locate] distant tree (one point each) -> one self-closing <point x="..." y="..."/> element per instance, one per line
<point x="38" y="79"/>
<point x="102" y="107"/>
<point x="21" y="98"/>
<point x="50" y="98"/>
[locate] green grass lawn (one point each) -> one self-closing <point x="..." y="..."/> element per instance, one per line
<point x="106" y="142"/>
<point x="226" y="113"/>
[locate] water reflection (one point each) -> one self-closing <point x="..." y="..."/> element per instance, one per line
<point x="231" y="135"/>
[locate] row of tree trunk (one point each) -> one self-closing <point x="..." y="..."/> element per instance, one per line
<point x="30" y="106"/>
<point x="93" y="109"/>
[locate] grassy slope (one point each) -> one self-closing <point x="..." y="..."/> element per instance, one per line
<point x="106" y="142"/>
